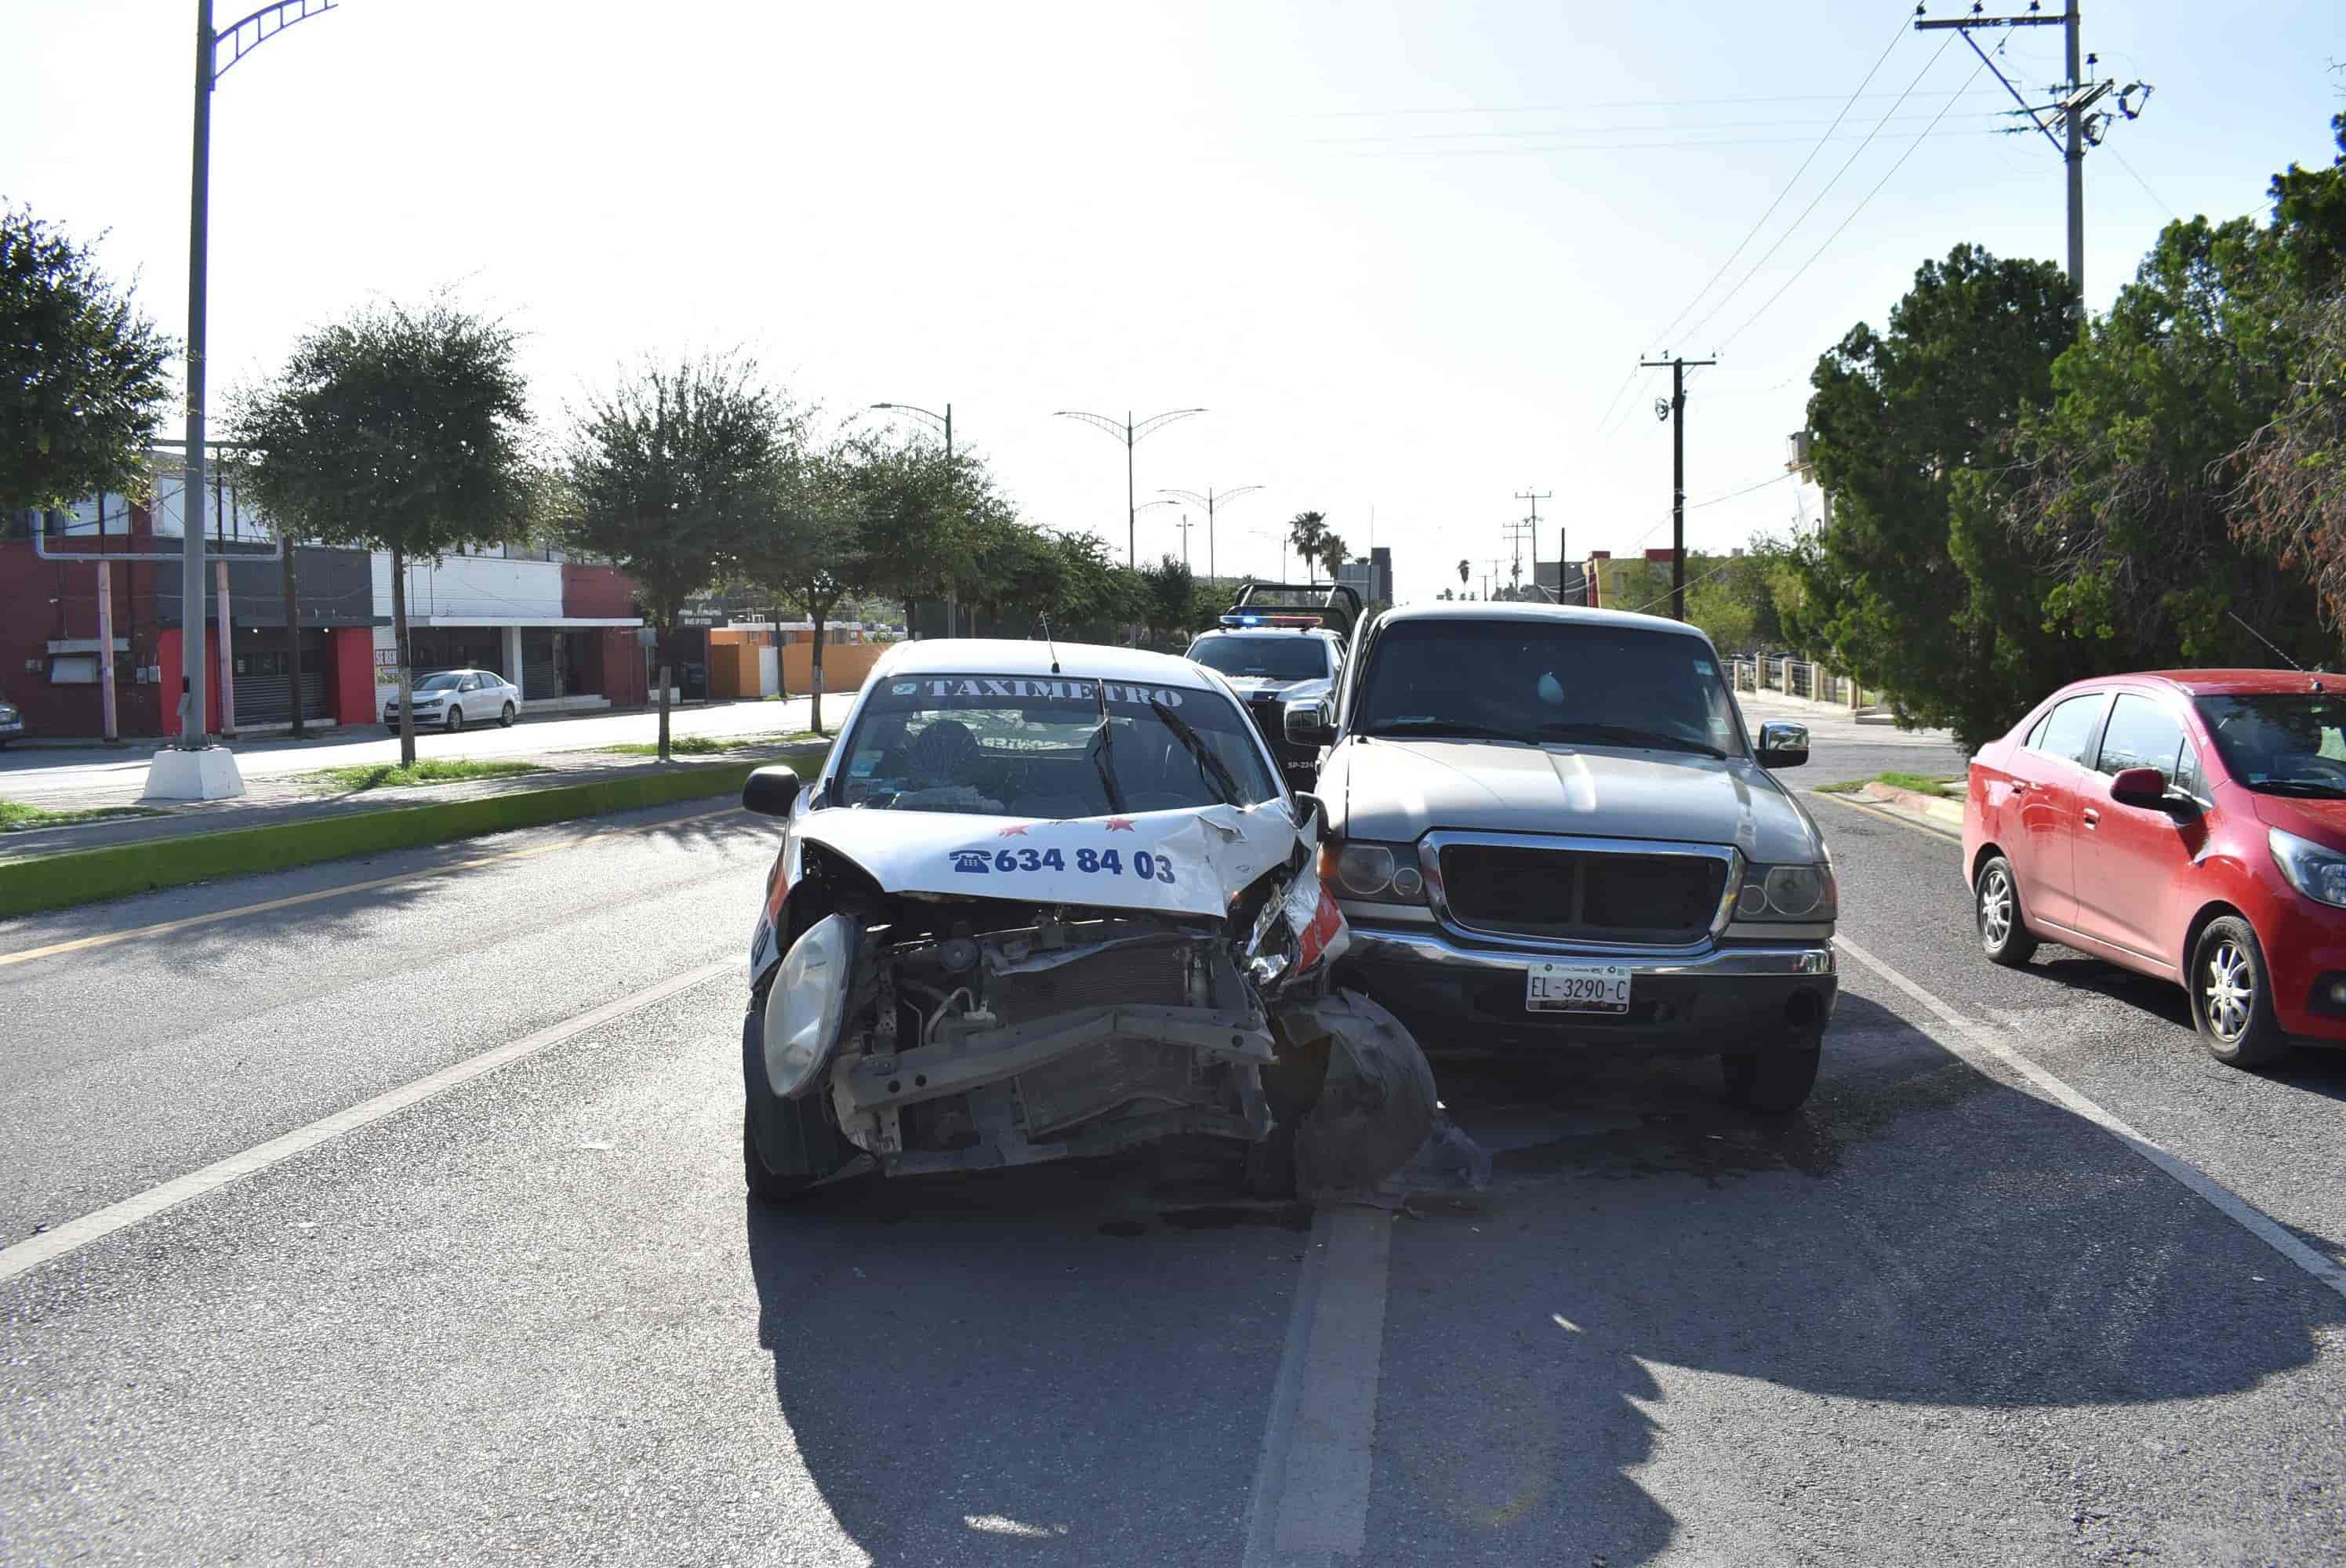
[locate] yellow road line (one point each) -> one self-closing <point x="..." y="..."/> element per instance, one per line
<point x="1889" y="816"/>
<point x="82" y="944"/>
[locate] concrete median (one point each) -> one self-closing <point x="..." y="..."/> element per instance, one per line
<point x="88" y="876"/>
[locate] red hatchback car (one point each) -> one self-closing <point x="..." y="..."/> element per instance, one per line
<point x="2190" y="824"/>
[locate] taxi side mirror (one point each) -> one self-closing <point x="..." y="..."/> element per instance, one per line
<point x="771" y="791"/>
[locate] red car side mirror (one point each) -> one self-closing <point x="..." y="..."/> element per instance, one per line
<point x="2138" y="786"/>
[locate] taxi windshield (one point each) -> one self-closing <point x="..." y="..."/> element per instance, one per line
<point x="1294" y="657"/>
<point x="1039" y="746"/>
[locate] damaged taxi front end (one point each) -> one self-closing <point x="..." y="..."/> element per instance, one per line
<point x="1024" y="916"/>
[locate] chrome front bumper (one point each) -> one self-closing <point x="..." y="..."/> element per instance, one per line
<point x="1726" y="996"/>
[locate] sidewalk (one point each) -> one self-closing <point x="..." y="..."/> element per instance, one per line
<point x="282" y="798"/>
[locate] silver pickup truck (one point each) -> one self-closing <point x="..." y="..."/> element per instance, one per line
<point x="1547" y="827"/>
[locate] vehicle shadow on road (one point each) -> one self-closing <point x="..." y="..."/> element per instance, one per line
<point x="1835" y="1338"/>
<point x="1069" y="1361"/>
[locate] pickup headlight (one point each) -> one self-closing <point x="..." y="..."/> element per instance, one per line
<point x="1788" y="892"/>
<point x="804" y="1003"/>
<point x="2317" y="873"/>
<point x="1381" y="873"/>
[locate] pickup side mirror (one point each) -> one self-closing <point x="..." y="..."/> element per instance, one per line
<point x="1308" y="724"/>
<point x="2139" y="787"/>
<point x="1783" y="744"/>
<point x="771" y="791"/>
<point x="1310" y="809"/>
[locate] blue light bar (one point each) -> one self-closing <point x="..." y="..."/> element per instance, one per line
<point x="1242" y="620"/>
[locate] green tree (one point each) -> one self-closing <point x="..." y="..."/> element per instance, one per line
<point x="918" y="512"/>
<point x="804" y="547"/>
<point x="398" y="430"/>
<point x="669" y="475"/>
<point x="81" y="371"/>
<point x="1466" y="570"/>
<point x="1900" y="417"/>
<point x="1305" y="531"/>
<point x="1170" y="597"/>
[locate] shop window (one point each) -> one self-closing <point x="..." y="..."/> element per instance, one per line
<point x="73" y="669"/>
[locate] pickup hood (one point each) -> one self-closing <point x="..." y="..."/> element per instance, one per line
<point x="1197" y="858"/>
<point x="1398" y="789"/>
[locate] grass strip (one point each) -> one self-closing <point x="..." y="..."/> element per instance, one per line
<point x="1932" y="784"/>
<point x="15" y="816"/>
<point x="87" y="876"/>
<point x="707" y="745"/>
<point x="365" y="776"/>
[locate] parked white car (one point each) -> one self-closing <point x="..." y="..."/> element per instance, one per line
<point x="451" y="698"/>
<point x="1045" y="902"/>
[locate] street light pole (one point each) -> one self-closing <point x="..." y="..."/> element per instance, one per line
<point x="192" y="675"/>
<point x="1208" y="500"/>
<point x="1130" y="433"/>
<point x="242" y="38"/>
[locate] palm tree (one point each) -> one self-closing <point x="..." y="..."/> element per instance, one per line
<point x="1333" y="552"/>
<point x="1463" y="570"/>
<point x="1305" y="529"/>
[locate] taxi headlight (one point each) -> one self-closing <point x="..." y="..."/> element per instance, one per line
<point x="804" y="1003"/>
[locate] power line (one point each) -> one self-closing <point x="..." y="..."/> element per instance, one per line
<point x="1489" y="133"/>
<point x="1615" y="401"/>
<point x="1663" y="336"/>
<point x="1621" y="146"/>
<point x="1616" y="104"/>
<point x="1649" y="604"/>
<point x="2144" y="183"/>
<point x="1836" y="234"/>
<point x="1721" y="304"/>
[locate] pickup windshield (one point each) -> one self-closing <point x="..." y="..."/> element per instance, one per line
<point x="1575" y="683"/>
<point x="1039" y="746"/>
<point x="1293" y="656"/>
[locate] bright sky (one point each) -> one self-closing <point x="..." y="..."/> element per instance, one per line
<point x="1405" y="254"/>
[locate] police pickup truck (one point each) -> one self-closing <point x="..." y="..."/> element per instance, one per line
<point x="1273" y="652"/>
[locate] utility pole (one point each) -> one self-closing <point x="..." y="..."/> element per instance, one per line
<point x="2071" y="108"/>
<point x="1674" y="412"/>
<point x="1185" y="526"/>
<point x="1529" y="529"/>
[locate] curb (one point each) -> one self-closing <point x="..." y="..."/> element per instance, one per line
<point x="88" y="876"/>
<point x="1938" y="809"/>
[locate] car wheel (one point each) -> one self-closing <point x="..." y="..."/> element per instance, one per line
<point x="2231" y="1000"/>
<point x="1773" y="1082"/>
<point x="765" y="1185"/>
<point x="1996" y="908"/>
<point x="456" y="720"/>
<point x="506" y="718"/>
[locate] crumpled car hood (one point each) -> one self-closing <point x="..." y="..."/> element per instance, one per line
<point x="1190" y="862"/>
<point x="1397" y="790"/>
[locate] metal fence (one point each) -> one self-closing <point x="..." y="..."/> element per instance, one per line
<point x="1804" y="679"/>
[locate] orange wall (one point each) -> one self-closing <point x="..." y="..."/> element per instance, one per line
<point x="732" y="669"/>
<point x="844" y="666"/>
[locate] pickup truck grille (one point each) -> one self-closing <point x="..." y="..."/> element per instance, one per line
<point x="1582" y="894"/>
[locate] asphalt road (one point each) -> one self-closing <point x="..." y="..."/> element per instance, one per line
<point x="1943" y="1316"/>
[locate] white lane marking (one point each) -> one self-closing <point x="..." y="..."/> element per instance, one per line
<point x="1312" y="1488"/>
<point x="75" y="1234"/>
<point x="1973" y="1040"/>
<point x="108" y="939"/>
